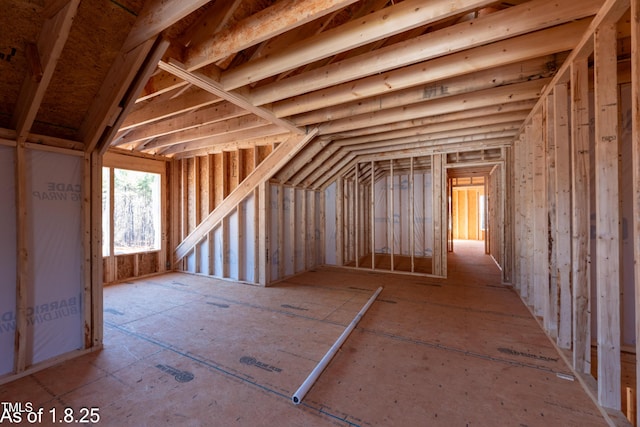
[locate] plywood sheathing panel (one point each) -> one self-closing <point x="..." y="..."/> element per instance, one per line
<point x="190" y="349"/>
<point x="25" y="19"/>
<point x="83" y="66"/>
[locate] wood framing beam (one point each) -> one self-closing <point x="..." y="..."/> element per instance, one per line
<point x="635" y="141"/>
<point x="452" y="129"/>
<point x="210" y="85"/>
<point x="270" y="22"/>
<point x="300" y="160"/>
<point x="439" y="194"/>
<point x="261" y="141"/>
<point x="375" y="26"/>
<point x="23" y="269"/>
<point x="531" y="16"/>
<point x="128" y="101"/>
<point x="610" y="11"/>
<point x="161" y="108"/>
<point x="211" y="22"/>
<point x="264" y="171"/>
<point x="105" y="109"/>
<point x="256" y="130"/>
<point x="531" y="48"/>
<point x="484" y="98"/>
<point x="562" y="238"/>
<point x="470" y="114"/>
<point x="157" y="16"/>
<point x="580" y="223"/>
<point x="607" y="216"/>
<point x="225" y="130"/>
<point x="51" y="41"/>
<point x="202" y="117"/>
<point x="480" y="80"/>
<point x="540" y="218"/>
<point x="264" y="221"/>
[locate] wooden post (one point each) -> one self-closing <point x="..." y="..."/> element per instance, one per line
<point x="607" y="216"/>
<point x="302" y="228"/>
<point x="526" y="236"/>
<point x="225" y="246"/>
<point x="357" y="215"/>
<point x="95" y="285"/>
<point x="412" y="239"/>
<point x="439" y="267"/>
<point x="292" y="227"/>
<point x="340" y="221"/>
<point x="503" y="218"/>
<point x="635" y="95"/>
<point x="323" y="227"/>
<point x="23" y="278"/>
<point x="281" y="251"/>
<point x="391" y="230"/>
<point x="264" y="261"/>
<point x="242" y="223"/>
<point x="551" y="312"/>
<point x="257" y="231"/>
<point x="540" y="233"/>
<point x="580" y="227"/>
<point x="373" y="216"/>
<point x="562" y="238"/>
<point x="519" y="206"/>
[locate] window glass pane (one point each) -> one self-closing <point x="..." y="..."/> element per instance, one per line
<point x="106" y="210"/>
<point x="136" y="213"/>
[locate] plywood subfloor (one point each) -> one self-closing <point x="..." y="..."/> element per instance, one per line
<point x="192" y="351"/>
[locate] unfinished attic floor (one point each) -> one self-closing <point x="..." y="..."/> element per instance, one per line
<point x="188" y="350"/>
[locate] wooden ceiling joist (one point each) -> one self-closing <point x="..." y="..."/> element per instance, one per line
<point x="223" y="131"/>
<point x="469" y="114"/>
<point x="159" y="109"/>
<point x="490" y="57"/>
<point x="218" y="112"/>
<point x="384" y="23"/>
<point x="214" y="87"/>
<point x="270" y="22"/>
<point x="484" y="98"/>
<point x="509" y="23"/>
<point x="442" y="89"/>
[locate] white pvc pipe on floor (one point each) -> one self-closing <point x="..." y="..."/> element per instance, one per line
<point x="313" y="376"/>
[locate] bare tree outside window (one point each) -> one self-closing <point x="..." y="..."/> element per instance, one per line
<point x="136" y="211"/>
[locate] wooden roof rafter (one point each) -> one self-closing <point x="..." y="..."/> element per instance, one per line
<point x="45" y="55"/>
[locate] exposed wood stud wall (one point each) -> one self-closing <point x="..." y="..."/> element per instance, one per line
<point x="561" y="120"/>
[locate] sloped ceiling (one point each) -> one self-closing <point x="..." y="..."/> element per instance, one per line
<point x="373" y="78"/>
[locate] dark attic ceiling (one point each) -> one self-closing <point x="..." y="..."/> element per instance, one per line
<point x="367" y="79"/>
